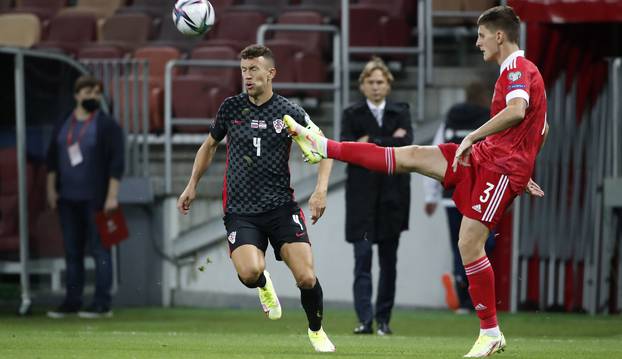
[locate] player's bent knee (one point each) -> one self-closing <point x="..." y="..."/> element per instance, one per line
<point x="306" y="281"/>
<point x="249" y="277"/>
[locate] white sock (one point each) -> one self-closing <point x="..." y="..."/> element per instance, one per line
<point x="491" y="332"/>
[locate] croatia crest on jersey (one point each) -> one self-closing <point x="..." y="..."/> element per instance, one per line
<point x="278" y="125"/>
<point x="231" y="237"/>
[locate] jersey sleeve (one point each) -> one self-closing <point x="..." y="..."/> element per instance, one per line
<point x="219" y="129"/>
<point x="300" y="116"/>
<point x="516" y="82"/>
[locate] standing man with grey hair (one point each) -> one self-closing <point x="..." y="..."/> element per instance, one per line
<point x="377" y="205"/>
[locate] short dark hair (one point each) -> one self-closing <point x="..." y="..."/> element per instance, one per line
<point x="86" y="81"/>
<point x="501" y="18"/>
<point x="255" y="51"/>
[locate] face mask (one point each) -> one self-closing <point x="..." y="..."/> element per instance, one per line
<point x="90" y="105"/>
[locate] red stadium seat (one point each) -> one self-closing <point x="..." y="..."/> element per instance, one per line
<point x="303" y="41"/>
<point x="328" y="8"/>
<point x="100" y="52"/>
<point x="268" y="7"/>
<point x="157" y="56"/>
<point x="100" y="8"/>
<point x="395" y="8"/>
<point x="44" y="9"/>
<point x="220" y="6"/>
<point x="224" y="75"/>
<point x="196" y="96"/>
<point x="46" y="235"/>
<point x="127" y="31"/>
<point x="63" y="33"/>
<point x="365" y="25"/>
<point x="154" y="8"/>
<point x="228" y="31"/>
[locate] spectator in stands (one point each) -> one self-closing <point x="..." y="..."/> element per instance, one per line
<point x="85" y="163"/>
<point x="377" y="205"/>
<point x="462" y="119"/>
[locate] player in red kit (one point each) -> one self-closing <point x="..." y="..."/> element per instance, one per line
<point x="491" y="166"/>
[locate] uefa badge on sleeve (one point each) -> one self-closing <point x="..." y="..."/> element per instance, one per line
<point x="513" y="76"/>
<point x="278" y="125"/>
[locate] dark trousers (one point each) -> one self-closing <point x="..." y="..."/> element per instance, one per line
<point x="77" y="220"/>
<point x="387" y="258"/>
<point x="454" y="218"/>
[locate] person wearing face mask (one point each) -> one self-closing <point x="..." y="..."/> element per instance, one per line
<point x="85" y="162"/>
<point x="377" y="205"/>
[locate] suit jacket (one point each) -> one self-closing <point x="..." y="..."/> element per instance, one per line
<point x="377" y="205"/>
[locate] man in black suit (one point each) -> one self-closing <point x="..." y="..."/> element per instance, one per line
<point x="377" y="205"/>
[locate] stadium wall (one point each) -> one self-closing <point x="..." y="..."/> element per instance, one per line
<point x="424" y="255"/>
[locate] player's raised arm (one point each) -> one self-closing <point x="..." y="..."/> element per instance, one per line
<point x="510" y="116"/>
<point x="202" y="161"/>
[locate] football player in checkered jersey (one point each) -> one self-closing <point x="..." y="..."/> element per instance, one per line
<point x="258" y="201"/>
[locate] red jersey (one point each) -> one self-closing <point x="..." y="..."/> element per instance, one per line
<point x="513" y="151"/>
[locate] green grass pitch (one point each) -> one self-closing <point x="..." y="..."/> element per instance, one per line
<point x="229" y="334"/>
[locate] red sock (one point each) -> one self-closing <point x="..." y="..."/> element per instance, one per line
<point x="482" y="289"/>
<point x="368" y="155"/>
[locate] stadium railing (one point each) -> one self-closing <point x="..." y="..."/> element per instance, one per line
<point x="420" y="50"/>
<point x="26" y="265"/>
<point x="126" y="84"/>
<point x="574" y="231"/>
<point x="334" y="86"/>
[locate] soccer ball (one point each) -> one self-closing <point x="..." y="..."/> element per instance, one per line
<point x="193" y="17"/>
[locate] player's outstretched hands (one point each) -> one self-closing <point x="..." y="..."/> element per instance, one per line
<point x="183" y="203"/>
<point x="317" y="204"/>
<point x="463" y="153"/>
<point x="534" y="189"/>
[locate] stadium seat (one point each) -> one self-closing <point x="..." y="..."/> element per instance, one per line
<point x="100" y="52"/>
<point x="9" y="229"/>
<point x="228" y="31"/>
<point x="365" y="25"/>
<point x="100" y="8"/>
<point x="304" y="41"/>
<point x="284" y="53"/>
<point x="395" y="8"/>
<point x="21" y="30"/>
<point x="157" y="56"/>
<point x="268" y="7"/>
<point x="6" y="5"/>
<point x="44" y="9"/>
<point x="63" y="34"/>
<point x="197" y="96"/>
<point x="153" y="8"/>
<point x="447" y="5"/>
<point x="221" y="6"/>
<point x="127" y="31"/>
<point x="223" y="75"/>
<point x="46" y="239"/>
<point x="328" y="8"/>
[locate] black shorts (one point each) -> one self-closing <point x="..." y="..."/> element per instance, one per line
<point x="282" y="225"/>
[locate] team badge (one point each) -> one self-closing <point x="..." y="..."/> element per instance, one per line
<point x="278" y="125"/>
<point x="231" y="237"/>
<point x="513" y="76"/>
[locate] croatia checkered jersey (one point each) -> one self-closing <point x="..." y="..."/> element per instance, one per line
<point x="257" y="177"/>
<point x="513" y="151"/>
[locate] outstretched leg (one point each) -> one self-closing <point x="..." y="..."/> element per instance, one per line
<point x="427" y="160"/>
<point x="299" y="259"/>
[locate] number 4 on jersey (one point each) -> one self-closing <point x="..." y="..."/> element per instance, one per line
<point x="257" y="144"/>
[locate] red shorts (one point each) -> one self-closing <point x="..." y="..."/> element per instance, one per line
<point x="479" y="194"/>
